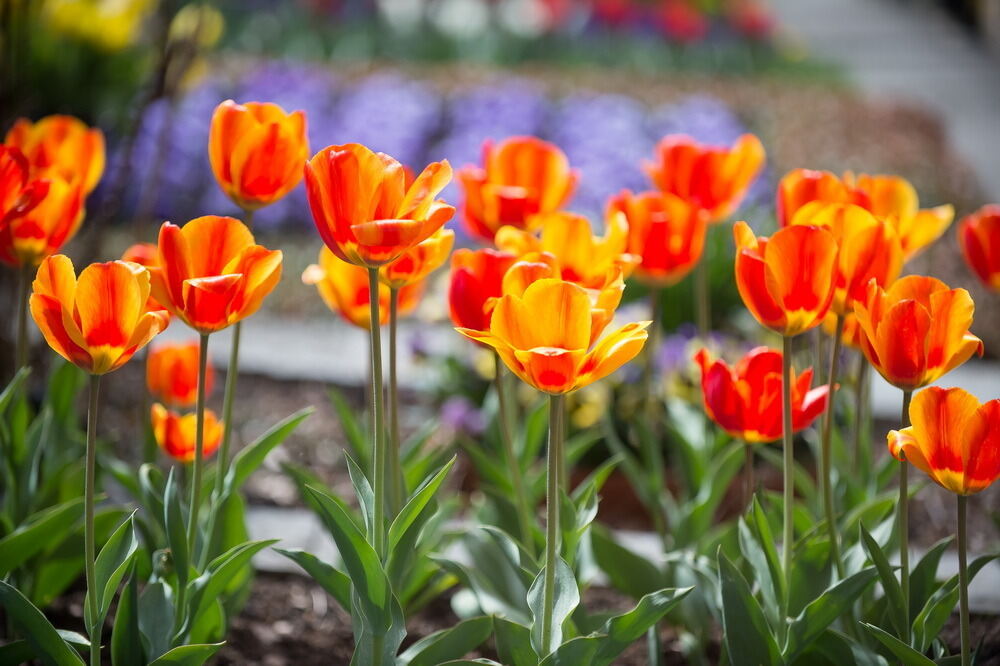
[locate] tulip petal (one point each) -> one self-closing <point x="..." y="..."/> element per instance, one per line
<point x="612" y="352"/>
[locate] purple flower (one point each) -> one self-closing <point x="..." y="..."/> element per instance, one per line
<point x="458" y="413"/>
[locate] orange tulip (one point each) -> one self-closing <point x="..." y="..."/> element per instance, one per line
<point x="917" y="330"/>
<point x="344" y="289"/>
<point x="145" y="254"/>
<point x="172" y="373"/>
<point x="666" y="233"/>
<point x="745" y="400"/>
<point x="61" y="146"/>
<point x="420" y="261"/>
<point x="979" y="236"/>
<point x="520" y="177"/>
<point x="363" y="209"/>
<point x="714" y="178"/>
<point x="43" y="229"/>
<point x="256" y="151"/>
<point x="802" y="186"/>
<point x="954" y="439"/>
<point x="869" y="249"/>
<point x="545" y="338"/>
<point x="584" y="258"/>
<point x="211" y="274"/>
<point x="895" y="200"/>
<point x="98" y="321"/>
<point x="787" y="281"/>
<point x="476" y="282"/>
<point x="176" y="433"/>
<point x="19" y="193"/>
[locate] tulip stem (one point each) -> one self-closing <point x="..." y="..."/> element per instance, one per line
<point x="378" y="417"/>
<point x="825" y="480"/>
<point x="24" y="288"/>
<point x="552" y="499"/>
<point x="789" y="459"/>
<point x="963" y="579"/>
<point x="199" y="446"/>
<point x="703" y="296"/>
<point x="397" y="484"/>
<point x="513" y="463"/>
<point x="904" y="521"/>
<point x="94" y="629"/>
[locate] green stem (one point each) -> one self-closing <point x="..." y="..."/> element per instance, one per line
<point x="396" y="482"/>
<point x="787" y="543"/>
<point x="703" y="296"/>
<point x="94" y="630"/>
<point x="513" y="464"/>
<point x="24" y="289"/>
<point x="904" y="521"/>
<point x="552" y="487"/>
<point x="199" y="446"/>
<point x="378" y="417"/>
<point x="825" y="481"/>
<point x="963" y="579"/>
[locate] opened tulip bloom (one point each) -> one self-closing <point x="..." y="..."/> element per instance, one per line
<point x="363" y="208"/>
<point x="42" y="229"/>
<point x="176" y="433"/>
<point x="979" y="236"/>
<point x="61" y="146"/>
<point x="420" y="261"/>
<point x="145" y="254"/>
<point x="895" y="200"/>
<point x="19" y="192"/>
<point x="521" y="176"/>
<point x="745" y="399"/>
<point x="802" y="186"/>
<point x="99" y="321"/>
<point x="476" y="282"/>
<point x="211" y="274"/>
<point x="172" y="373"/>
<point x="714" y="178"/>
<point x="257" y="151"/>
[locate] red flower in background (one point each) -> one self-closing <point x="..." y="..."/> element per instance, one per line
<point x="979" y="236"/>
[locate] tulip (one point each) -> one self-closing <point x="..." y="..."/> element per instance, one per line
<point x="475" y="284"/>
<point x="61" y="146"/>
<point x="895" y="200"/>
<point x="145" y="254"/>
<point x="979" y="236"/>
<point x="176" y="434"/>
<point x="418" y="262"/>
<point x="520" y="177"/>
<point x="19" y="193"/>
<point x="172" y="373"/>
<point x="256" y="151"/>
<point x="665" y="233"/>
<point x="955" y="440"/>
<point x="42" y="229"/>
<point x="802" y="186"/>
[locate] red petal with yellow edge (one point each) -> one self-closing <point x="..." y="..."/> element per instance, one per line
<point x="951" y="316"/>
<point x="800" y="264"/>
<point x="981" y="448"/>
<point x="612" y="352"/>
<point x="549" y="369"/>
<point x="109" y="301"/>
<point x="230" y="122"/>
<point x="207" y="301"/>
<point x="901" y="344"/>
<point x="940" y="418"/>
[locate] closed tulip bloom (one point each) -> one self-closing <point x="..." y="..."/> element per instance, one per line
<point x="520" y="177"/>
<point x="43" y="229"/>
<point x="665" y="233"/>
<point x="802" y="186"/>
<point x="715" y="178"/>
<point x="344" y="289"/>
<point x="745" y="399"/>
<point x="895" y="200"/>
<point x="19" y="193"/>
<point x="172" y="373"/>
<point x="787" y="280"/>
<point x="420" y="261"/>
<point x="176" y="433"/>
<point x="62" y="146"/>
<point x="475" y="283"/>
<point x="917" y="330"/>
<point x="257" y="151"/>
<point x="145" y="254"/>
<point x="869" y="249"/>
<point x="211" y="274"/>
<point x="979" y="236"/>
<point x="544" y="337"/>
<point x="365" y="210"/>
<point x="954" y="439"/>
<point x="99" y="321"/>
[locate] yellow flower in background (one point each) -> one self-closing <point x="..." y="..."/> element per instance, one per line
<point x="197" y="22"/>
<point x="111" y="25"/>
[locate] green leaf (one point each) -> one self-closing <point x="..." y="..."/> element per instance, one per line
<point x="252" y="455"/>
<point x="363" y="491"/>
<point x="448" y="644"/>
<point x="43" y="530"/>
<point x="754" y="554"/>
<point x="188" y="655"/>
<point x="126" y="641"/>
<point x="623" y="630"/>
<point x="156" y="618"/>
<point x="629" y="573"/>
<point x="821" y="612"/>
<point x="513" y="643"/>
<point x="935" y="613"/>
<point x="336" y="583"/>
<point x="173" y="521"/>
<point x="887" y="577"/>
<point x="923" y="576"/>
<point x="415" y="506"/>
<point x="907" y="656"/>
<point x="12" y="388"/>
<point x="112" y="562"/>
<point x="356" y="436"/>
<point x="566" y="597"/>
<point x="762" y="529"/>
<point x="43" y="637"/>
<point x="747" y="634"/>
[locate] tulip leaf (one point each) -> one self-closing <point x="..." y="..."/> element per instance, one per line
<point x="513" y="642"/>
<point x="822" y="611"/>
<point x="357" y="437"/>
<point x="13" y="386"/>
<point x="188" y="655"/>
<point x="447" y="644"/>
<point x="630" y="573"/>
<point x="935" y="613"/>
<point x="746" y="632"/>
<point x="366" y="496"/>
<point x="907" y="656"/>
<point x="754" y="554"/>
<point x="173" y="522"/>
<point x="622" y="630"/>
<point x="923" y="576"/>
<point x="126" y="641"/>
<point x="156" y="618"/>
<point x="415" y="505"/>
<point x="336" y="583"/>
<point x="252" y="456"/>
<point x="47" y="644"/>
<point x="110" y="567"/>
<point x="887" y="577"/>
<point x="152" y="492"/>
<point x="566" y="597"/>
<point x="42" y="530"/>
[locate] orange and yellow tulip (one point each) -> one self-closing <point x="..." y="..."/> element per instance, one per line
<point x="145" y="254"/>
<point x="745" y="400"/>
<point x="345" y="290"/>
<point x="19" y="193"/>
<point x="44" y="228"/>
<point x="979" y="236"/>
<point x="172" y="373"/>
<point x="714" y="178"/>
<point x="211" y="274"/>
<point x="545" y="337"/>
<point x="363" y="208"/>
<point x="895" y="200"/>
<point x="917" y="330"/>
<point x="419" y="261"/>
<point x="62" y="146"/>
<point x="521" y="176"/>
<point x="176" y="433"/>
<point x="476" y="282"/>
<point x="954" y="439"/>
<point x="257" y="151"/>
<point x="99" y="321"/>
<point x="799" y="187"/>
<point x="665" y="233"/>
<point x="869" y="249"/>
<point x="787" y="280"/>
